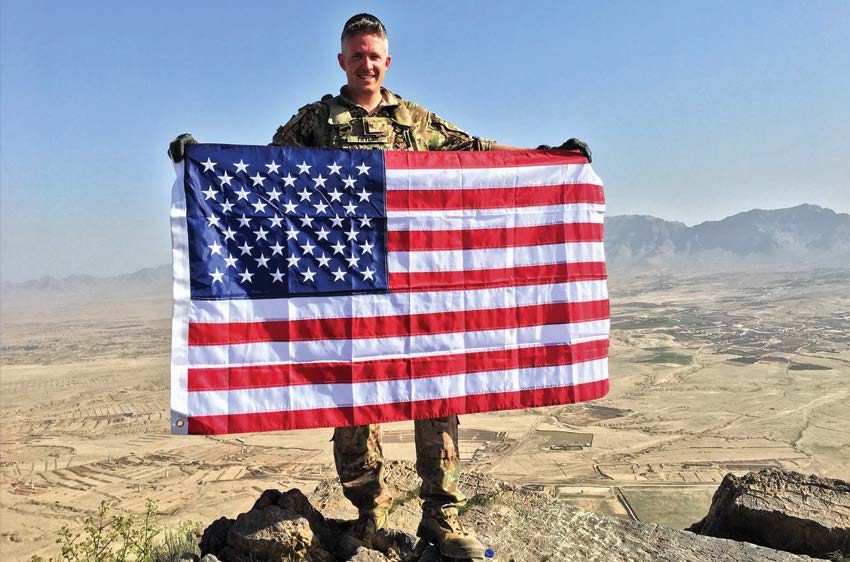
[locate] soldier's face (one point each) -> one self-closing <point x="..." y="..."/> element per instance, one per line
<point x="365" y="60"/>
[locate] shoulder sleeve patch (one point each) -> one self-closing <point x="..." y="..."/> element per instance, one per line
<point x="298" y="131"/>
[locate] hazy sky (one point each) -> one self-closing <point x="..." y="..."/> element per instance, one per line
<point x="694" y="111"/>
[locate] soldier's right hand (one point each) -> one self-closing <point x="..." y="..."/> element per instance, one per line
<point x="177" y="148"/>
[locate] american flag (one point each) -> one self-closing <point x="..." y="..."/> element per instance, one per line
<point x="326" y="287"/>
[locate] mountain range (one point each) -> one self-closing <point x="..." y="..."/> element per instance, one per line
<point x="806" y="235"/>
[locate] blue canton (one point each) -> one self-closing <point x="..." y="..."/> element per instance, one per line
<point x="268" y="221"/>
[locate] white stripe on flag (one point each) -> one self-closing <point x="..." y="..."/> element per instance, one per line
<point x="488" y="258"/>
<point x="392" y="304"/>
<point x="471" y="219"/>
<point x="477" y="178"/>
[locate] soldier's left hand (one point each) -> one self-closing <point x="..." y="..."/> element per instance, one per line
<point x="572" y="144"/>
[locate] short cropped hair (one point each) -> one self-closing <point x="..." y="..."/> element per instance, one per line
<point x="363" y="24"/>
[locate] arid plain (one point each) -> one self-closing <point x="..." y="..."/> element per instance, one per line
<point x="710" y="374"/>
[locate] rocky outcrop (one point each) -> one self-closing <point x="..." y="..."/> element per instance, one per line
<point x="783" y="510"/>
<point x="516" y="523"/>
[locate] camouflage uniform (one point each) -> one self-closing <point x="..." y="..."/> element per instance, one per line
<point x="397" y="124"/>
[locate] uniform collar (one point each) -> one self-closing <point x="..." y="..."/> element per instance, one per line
<point x="388" y="98"/>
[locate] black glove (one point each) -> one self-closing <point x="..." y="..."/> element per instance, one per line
<point x="572" y="144"/>
<point x="177" y="148"/>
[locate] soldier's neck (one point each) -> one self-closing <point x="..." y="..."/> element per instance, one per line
<point x="368" y="102"/>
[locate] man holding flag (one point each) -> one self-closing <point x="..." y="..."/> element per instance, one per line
<point x="367" y="116"/>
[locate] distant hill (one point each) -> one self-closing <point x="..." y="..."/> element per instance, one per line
<point x="147" y="281"/>
<point x="796" y="235"/>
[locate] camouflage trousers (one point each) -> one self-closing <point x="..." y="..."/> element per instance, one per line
<point x="359" y="458"/>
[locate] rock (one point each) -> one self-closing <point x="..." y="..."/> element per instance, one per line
<point x="210" y="558"/>
<point x="784" y="510"/>
<point x="214" y="538"/>
<point x="271" y="533"/>
<point x="368" y="555"/>
<point x="394" y="543"/>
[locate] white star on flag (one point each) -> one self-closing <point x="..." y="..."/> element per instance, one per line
<point x="258" y="180"/>
<point x="277" y="248"/>
<point x="245" y="248"/>
<point x="323" y="260"/>
<point x="335" y="195"/>
<point x="225" y="179"/>
<point x="290" y="207"/>
<point x="293" y="260"/>
<point x="309" y="274"/>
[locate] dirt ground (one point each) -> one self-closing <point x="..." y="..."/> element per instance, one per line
<point x="709" y="375"/>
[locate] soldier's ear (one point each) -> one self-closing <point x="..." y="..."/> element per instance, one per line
<point x="389" y="59"/>
<point x="341" y="60"/>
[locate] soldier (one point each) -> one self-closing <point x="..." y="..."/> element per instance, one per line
<point x="366" y="115"/>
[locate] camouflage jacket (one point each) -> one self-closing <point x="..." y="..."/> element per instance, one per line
<point x="397" y="124"/>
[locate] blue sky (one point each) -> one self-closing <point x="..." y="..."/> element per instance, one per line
<point x="694" y="110"/>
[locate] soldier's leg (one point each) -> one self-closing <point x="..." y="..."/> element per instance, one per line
<point x="359" y="459"/>
<point x="438" y="464"/>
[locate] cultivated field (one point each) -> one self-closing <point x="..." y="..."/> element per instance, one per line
<point x="709" y="375"/>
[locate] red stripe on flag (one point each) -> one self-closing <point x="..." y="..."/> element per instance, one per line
<point x="485" y="159"/>
<point x="398" y="411"/>
<point x="494" y="278"/>
<point x="231" y="333"/>
<point x="493" y="198"/>
<point x="420" y="240"/>
<point x="292" y="374"/>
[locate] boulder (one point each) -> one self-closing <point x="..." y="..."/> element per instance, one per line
<point x="271" y="533"/>
<point x="214" y="538"/>
<point x="784" y="510"/>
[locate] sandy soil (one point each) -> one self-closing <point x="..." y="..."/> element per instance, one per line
<point x="709" y="375"/>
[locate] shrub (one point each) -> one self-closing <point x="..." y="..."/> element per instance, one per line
<point x="125" y="537"/>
